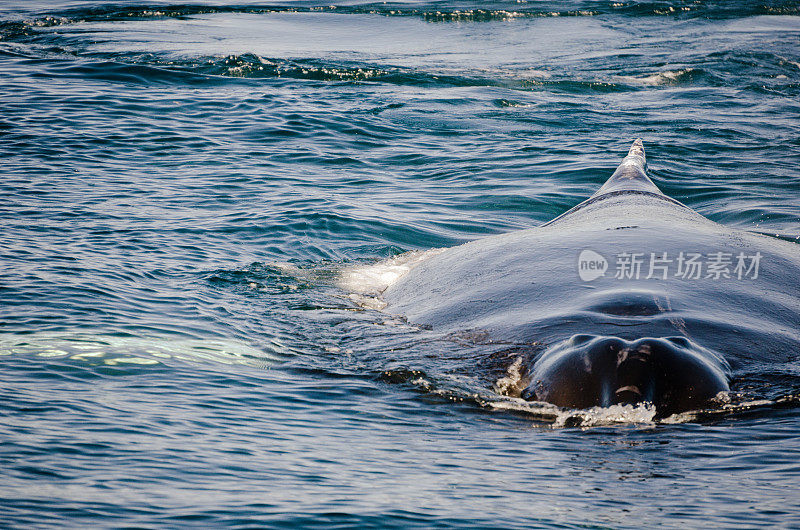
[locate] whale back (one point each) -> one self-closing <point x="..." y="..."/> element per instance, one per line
<point x="525" y="287"/>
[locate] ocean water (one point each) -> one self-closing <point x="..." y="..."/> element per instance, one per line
<point x="193" y="194"/>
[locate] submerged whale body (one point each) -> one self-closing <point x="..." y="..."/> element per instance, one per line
<point x="630" y="297"/>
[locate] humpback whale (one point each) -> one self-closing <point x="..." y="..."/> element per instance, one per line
<point x="629" y="297"/>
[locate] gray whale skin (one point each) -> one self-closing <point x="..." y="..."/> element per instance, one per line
<point x="707" y="301"/>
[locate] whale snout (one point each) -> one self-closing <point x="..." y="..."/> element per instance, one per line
<point x="673" y="374"/>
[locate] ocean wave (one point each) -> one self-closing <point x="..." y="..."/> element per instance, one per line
<point x="665" y="78"/>
<point x="252" y="66"/>
<point x="151" y="69"/>
<point x="433" y="12"/>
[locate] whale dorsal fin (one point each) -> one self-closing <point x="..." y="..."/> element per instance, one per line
<point x="631" y="175"/>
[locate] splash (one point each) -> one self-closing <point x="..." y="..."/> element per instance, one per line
<point x="513" y="382"/>
<point x="642" y="414"/>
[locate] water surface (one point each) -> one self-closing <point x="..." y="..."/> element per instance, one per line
<point x="183" y="186"/>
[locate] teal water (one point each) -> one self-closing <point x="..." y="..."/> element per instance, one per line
<point x="183" y="186"/>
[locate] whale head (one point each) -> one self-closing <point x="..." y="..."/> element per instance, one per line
<point x="673" y="374"/>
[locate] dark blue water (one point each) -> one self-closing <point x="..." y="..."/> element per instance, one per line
<point x="183" y="186"/>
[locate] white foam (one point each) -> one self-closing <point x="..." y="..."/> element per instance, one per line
<point x="668" y="77"/>
<point x="372" y="280"/>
